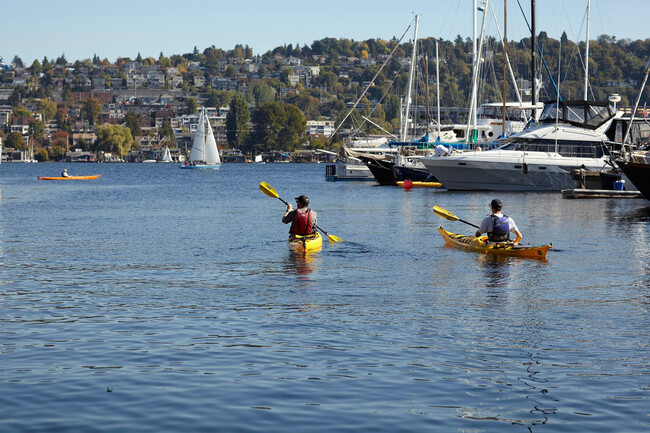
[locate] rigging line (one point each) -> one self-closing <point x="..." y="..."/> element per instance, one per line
<point x="541" y="55"/>
<point x="372" y="81"/>
<point x="582" y="60"/>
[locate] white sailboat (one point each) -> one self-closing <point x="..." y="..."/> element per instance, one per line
<point x="167" y="156"/>
<point x="30" y="159"/>
<point x="204" y="154"/>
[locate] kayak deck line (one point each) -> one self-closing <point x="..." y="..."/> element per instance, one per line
<point x="95" y="176"/>
<point x="480" y="245"/>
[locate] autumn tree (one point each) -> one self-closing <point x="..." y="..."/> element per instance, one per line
<point x="114" y="138"/>
<point x="48" y="108"/>
<point x="16" y="141"/>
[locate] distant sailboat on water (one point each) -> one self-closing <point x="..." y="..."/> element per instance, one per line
<point x="167" y="156"/>
<point x="204" y="154"/>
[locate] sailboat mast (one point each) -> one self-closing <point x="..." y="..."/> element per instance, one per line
<point x="587" y="51"/>
<point x="205" y="136"/>
<point x="474" y="105"/>
<point x="438" y="88"/>
<point x="505" y="61"/>
<point x="533" y="62"/>
<point x="426" y="96"/>
<point x="412" y="72"/>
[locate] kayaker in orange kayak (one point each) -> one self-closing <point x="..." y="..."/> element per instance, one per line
<point x="498" y="226"/>
<point x="64" y="173"/>
<point x="302" y="219"/>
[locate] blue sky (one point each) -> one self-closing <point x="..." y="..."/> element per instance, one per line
<point x="37" y="28"/>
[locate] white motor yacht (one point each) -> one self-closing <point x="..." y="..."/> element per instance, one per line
<point x="569" y="135"/>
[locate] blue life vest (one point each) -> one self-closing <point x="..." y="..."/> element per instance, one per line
<point x="500" y="229"/>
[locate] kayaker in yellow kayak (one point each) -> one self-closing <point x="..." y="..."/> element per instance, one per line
<point x="498" y="226"/>
<point x="303" y="220"/>
<point x="64" y="173"/>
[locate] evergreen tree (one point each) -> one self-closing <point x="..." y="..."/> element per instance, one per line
<point x="237" y="121"/>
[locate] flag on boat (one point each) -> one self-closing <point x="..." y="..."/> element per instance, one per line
<point x="3" y="65"/>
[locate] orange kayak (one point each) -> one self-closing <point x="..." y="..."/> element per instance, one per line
<point x="95" y="176"/>
<point x="480" y="245"/>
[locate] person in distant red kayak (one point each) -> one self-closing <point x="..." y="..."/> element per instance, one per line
<point x="303" y="220"/>
<point x="498" y="226"/>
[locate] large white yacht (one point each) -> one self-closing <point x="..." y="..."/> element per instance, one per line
<point x="569" y="135"/>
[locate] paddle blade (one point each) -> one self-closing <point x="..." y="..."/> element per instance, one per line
<point x="444" y="213"/>
<point x="333" y="239"/>
<point x="268" y="190"/>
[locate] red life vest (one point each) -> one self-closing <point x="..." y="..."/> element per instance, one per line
<point x="302" y="223"/>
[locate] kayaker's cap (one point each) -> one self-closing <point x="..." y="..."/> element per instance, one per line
<point x="303" y="199"/>
<point x="496" y="203"/>
<point x="65" y="169"/>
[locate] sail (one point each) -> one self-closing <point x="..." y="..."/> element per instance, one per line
<point x="167" y="156"/>
<point x="211" y="155"/>
<point x="196" y="154"/>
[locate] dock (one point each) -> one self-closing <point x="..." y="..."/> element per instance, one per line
<point x="599" y="193"/>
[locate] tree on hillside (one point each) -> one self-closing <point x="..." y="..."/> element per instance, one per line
<point x="133" y="121"/>
<point x="191" y="107"/>
<point x="278" y="126"/>
<point x="91" y="109"/>
<point x="16" y="141"/>
<point x="21" y="111"/>
<point x="48" y="108"/>
<point x="18" y="62"/>
<point x="114" y="138"/>
<point x="36" y="68"/>
<point x="260" y="93"/>
<point x="36" y="129"/>
<point x="166" y="131"/>
<point x="237" y="121"/>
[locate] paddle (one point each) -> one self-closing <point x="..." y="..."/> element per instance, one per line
<point x="444" y="213"/>
<point x="271" y="192"/>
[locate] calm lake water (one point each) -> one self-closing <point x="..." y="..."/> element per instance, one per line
<point x="158" y="299"/>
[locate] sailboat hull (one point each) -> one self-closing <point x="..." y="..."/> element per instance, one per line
<point x="202" y="167"/>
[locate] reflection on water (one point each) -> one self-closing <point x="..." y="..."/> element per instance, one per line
<point x="496" y="269"/>
<point x="303" y="263"/>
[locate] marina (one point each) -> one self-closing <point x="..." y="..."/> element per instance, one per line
<point x="117" y="287"/>
<point x="443" y="252"/>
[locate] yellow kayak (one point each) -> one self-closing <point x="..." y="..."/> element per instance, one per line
<point x="95" y="176"/>
<point x="311" y="242"/>
<point x="480" y="245"/>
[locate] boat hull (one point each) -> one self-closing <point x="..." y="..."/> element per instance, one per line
<point x="638" y="174"/>
<point x="413" y="173"/>
<point x="201" y="167"/>
<point x="382" y="171"/>
<point x="70" y="177"/>
<point x="508" y="173"/>
<point x="311" y="242"/>
<point x="478" y="245"/>
<point x="347" y="172"/>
